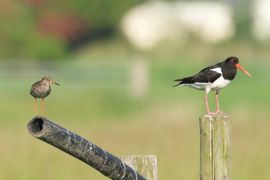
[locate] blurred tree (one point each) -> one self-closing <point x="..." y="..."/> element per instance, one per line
<point x="18" y="35"/>
<point x="243" y="17"/>
<point x="48" y="29"/>
<point x="100" y="14"/>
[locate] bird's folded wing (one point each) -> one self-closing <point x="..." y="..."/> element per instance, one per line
<point x="204" y="76"/>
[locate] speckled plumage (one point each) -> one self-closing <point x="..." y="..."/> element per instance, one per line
<point x="42" y="89"/>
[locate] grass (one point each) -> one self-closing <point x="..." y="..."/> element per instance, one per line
<point x="95" y="100"/>
<point x="173" y="140"/>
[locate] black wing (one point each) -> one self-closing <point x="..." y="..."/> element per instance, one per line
<point x="204" y="76"/>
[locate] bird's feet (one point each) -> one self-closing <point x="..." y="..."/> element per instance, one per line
<point x="219" y="112"/>
<point x="211" y="113"/>
<point x="215" y="113"/>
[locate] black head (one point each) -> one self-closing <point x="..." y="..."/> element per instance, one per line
<point x="230" y="65"/>
<point x="231" y="61"/>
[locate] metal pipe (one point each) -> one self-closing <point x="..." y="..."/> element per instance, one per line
<point x="71" y="143"/>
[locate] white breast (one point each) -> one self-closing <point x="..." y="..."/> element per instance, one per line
<point x="219" y="83"/>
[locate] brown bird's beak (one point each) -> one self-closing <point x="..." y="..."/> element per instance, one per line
<point x="56" y="83"/>
<point x="238" y="66"/>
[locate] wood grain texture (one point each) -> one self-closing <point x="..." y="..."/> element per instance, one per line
<point x="215" y="147"/>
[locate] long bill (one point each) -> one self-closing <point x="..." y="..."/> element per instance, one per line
<point x="238" y="66"/>
<point x="56" y="83"/>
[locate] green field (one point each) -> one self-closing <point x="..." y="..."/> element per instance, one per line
<point x="95" y="100"/>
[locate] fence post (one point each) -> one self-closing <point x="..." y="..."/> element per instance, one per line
<point x="146" y="165"/>
<point x="215" y="147"/>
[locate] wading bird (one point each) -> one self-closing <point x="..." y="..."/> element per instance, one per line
<point x="213" y="78"/>
<point x="42" y="89"/>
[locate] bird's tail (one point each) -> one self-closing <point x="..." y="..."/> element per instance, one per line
<point x="182" y="81"/>
<point x="179" y="82"/>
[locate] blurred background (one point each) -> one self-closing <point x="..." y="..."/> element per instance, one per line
<point x="116" y="61"/>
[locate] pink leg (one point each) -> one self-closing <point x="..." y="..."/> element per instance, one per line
<point x="217" y="104"/>
<point x="207" y="105"/>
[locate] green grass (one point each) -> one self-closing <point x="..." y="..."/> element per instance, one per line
<point x="174" y="140"/>
<point x="95" y="100"/>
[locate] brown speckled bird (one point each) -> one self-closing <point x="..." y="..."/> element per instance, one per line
<point x="42" y="89"/>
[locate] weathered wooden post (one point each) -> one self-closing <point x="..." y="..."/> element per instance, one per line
<point x="146" y="165"/>
<point x="215" y="147"/>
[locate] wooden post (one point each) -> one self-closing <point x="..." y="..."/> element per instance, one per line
<point x="215" y="147"/>
<point x="146" y="165"/>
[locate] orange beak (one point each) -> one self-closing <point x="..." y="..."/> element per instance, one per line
<point x="238" y="66"/>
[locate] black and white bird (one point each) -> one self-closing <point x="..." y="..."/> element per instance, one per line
<point x="213" y="78"/>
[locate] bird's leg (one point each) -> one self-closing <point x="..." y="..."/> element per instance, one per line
<point x="217" y="103"/>
<point x="35" y="106"/>
<point x="42" y="106"/>
<point x="206" y="103"/>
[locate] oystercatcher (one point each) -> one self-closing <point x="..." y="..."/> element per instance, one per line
<point x="213" y="78"/>
<point x="42" y="89"/>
